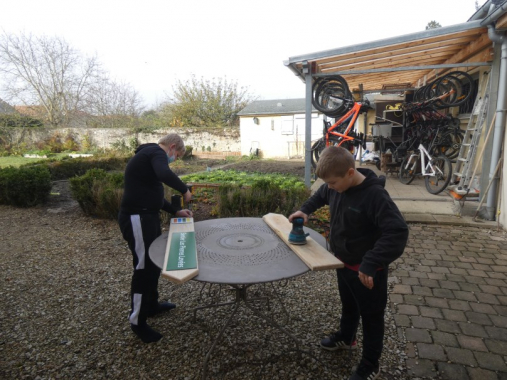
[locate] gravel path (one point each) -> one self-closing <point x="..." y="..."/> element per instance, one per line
<point x="64" y="306"/>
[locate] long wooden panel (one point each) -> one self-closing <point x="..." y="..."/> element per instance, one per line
<point x="179" y="276"/>
<point x="312" y="253"/>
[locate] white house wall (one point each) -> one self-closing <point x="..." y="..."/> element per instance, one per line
<point x="274" y="137"/>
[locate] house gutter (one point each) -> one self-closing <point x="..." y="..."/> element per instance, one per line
<point x="294" y="70"/>
<point x="493" y="15"/>
<point x="481" y="12"/>
<point x="501" y="107"/>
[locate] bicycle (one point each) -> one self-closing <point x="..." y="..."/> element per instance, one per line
<point x="332" y="96"/>
<point x="437" y="171"/>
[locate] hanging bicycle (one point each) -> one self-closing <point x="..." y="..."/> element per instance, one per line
<point x="331" y="95"/>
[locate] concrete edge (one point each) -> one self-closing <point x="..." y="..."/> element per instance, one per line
<point x="449" y="220"/>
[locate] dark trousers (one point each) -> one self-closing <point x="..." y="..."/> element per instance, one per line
<point x="360" y="302"/>
<point x="140" y="231"/>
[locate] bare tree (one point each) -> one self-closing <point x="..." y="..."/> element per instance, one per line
<point x="114" y="104"/>
<point x="46" y="72"/>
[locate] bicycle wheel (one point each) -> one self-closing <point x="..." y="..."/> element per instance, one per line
<point x="450" y="143"/>
<point x="407" y="169"/>
<point x="317" y="148"/>
<point x="331" y="96"/>
<point x="437" y="183"/>
<point x="461" y="84"/>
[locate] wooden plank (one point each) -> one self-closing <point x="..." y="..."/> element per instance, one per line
<point x="415" y="51"/>
<point x="312" y="253"/>
<point x="475" y="46"/>
<point x="431" y="41"/>
<point x="501" y="23"/>
<point x="179" y="276"/>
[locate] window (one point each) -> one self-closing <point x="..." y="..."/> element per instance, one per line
<point x="287" y="125"/>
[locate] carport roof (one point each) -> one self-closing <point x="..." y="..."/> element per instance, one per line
<point x="274" y="107"/>
<point x="401" y="61"/>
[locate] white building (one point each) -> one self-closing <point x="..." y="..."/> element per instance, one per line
<point x="276" y="128"/>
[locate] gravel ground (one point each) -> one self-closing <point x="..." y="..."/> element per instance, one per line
<point x="64" y="306"/>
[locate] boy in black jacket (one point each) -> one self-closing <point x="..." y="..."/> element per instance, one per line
<point x="367" y="233"/>
<point x="139" y="221"/>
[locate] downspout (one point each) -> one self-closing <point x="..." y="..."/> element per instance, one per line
<point x="501" y="106"/>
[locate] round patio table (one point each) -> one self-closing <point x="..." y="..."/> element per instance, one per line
<point x="240" y="252"/>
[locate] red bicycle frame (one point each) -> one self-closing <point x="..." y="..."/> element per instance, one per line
<point x="353" y="113"/>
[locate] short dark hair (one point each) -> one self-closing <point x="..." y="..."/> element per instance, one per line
<point x="334" y="161"/>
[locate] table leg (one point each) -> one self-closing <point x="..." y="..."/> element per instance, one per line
<point x="241" y="295"/>
<point x="274" y="324"/>
<point x="210" y="306"/>
<point x="238" y="290"/>
<point x="221" y="332"/>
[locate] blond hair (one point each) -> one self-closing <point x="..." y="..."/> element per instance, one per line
<point x="334" y="161"/>
<point x="173" y="138"/>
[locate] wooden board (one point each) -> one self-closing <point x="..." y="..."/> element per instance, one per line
<point x="315" y="256"/>
<point x="179" y="276"/>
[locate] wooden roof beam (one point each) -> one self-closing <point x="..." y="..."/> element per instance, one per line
<point x="442" y="49"/>
<point x="395" y="50"/>
<point x="394" y="62"/>
<point x="472" y="49"/>
<point x="501" y="23"/>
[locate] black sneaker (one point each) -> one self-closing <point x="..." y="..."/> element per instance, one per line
<point x="146" y="333"/>
<point x="365" y="371"/>
<point x="162" y="307"/>
<point x="335" y="342"/>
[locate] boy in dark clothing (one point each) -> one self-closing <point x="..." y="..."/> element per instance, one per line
<point x="139" y="221"/>
<point x="367" y="233"/>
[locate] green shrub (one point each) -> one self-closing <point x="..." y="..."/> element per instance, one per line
<point x="70" y="144"/>
<point x="188" y="152"/>
<point x="260" y="199"/>
<point x="71" y="167"/>
<point x="24" y="187"/>
<point x="15" y="120"/>
<point x="98" y="193"/>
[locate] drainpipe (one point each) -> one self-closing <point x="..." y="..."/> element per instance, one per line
<point x="495" y="11"/>
<point x="501" y="106"/>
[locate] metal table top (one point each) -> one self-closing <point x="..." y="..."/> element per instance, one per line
<point x="239" y="251"/>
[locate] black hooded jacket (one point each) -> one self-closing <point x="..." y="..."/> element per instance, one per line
<point x="144" y="175"/>
<point x="366" y="226"/>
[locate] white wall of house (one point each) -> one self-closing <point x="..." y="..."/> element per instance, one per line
<point x="277" y="136"/>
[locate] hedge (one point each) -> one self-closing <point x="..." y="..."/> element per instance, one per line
<point x="24" y="186"/>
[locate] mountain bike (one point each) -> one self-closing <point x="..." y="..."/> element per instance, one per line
<point x="450" y="90"/>
<point x="341" y="133"/>
<point x="332" y="96"/>
<point x="437" y="171"/>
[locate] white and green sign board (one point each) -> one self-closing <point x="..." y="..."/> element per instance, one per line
<point x="182" y="252"/>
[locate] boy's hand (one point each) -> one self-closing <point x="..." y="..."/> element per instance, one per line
<point x="366" y="280"/>
<point x="184" y="213"/>
<point x="299" y="214"/>
<point x="187" y="197"/>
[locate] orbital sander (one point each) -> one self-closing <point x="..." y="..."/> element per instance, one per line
<point x="297" y="235"/>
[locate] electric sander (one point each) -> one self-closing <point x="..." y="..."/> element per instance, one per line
<point x="297" y="235"/>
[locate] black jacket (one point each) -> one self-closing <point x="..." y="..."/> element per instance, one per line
<point x="144" y="175"/>
<point x="366" y="226"/>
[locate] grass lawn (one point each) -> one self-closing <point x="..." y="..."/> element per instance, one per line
<point x="17" y="161"/>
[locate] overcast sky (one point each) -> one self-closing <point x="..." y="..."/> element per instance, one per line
<point x="152" y="43"/>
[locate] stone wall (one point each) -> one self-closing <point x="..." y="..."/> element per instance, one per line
<point x="202" y="140"/>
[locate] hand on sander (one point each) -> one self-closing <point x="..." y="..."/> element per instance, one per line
<point x="297" y="235"/>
